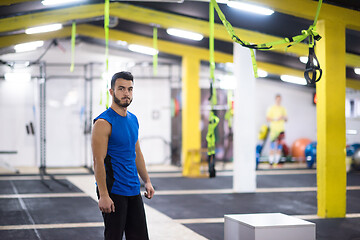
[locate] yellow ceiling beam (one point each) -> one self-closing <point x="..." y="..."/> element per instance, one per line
<point x="52" y="16"/>
<point x="9" y="2"/>
<point x="352" y="60"/>
<point x="166" y="20"/>
<point x="307" y="9"/>
<point x="148" y="16"/>
<point x="23" y="38"/>
<point x="164" y="46"/>
<point x="353" y="83"/>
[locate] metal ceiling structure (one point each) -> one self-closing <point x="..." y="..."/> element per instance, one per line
<point x="136" y="19"/>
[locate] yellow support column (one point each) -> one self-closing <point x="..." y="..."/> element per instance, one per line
<point x="331" y="170"/>
<point x="191" y="134"/>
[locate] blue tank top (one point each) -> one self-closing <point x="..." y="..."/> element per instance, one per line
<point x="121" y="172"/>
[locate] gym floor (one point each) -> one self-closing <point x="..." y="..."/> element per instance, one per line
<point x="183" y="208"/>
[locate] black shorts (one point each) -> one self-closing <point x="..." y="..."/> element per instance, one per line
<point x="129" y="217"/>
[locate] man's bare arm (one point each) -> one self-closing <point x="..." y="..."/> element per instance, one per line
<point x="140" y="165"/>
<point x="99" y="141"/>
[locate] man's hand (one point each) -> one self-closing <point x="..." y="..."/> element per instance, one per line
<point x="149" y="190"/>
<point x="106" y="205"/>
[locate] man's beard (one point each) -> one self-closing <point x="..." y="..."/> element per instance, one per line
<point x="118" y="102"/>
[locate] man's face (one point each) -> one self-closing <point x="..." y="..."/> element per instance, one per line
<point x="278" y="100"/>
<point x="123" y="92"/>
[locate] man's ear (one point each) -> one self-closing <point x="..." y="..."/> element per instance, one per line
<point x="111" y="91"/>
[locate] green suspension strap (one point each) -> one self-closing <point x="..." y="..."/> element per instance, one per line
<point x="289" y="41"/>
<point x="73" y="38"/>
<point x="213" y="97"/>
<point x="107" y="96"/>
<point x="213" y="119"/>
<point x="211" y="140"/>
<point x="106" y="28"/>
<point x="155" y="46"/>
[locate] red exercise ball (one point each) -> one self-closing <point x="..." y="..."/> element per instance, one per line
<point x="298" y="148"/>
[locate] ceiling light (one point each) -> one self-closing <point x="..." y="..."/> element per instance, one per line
<point x="292" y="79"/>
<point x="304" y="59"/>
<point x="142" y="49"/>
<point x="185" y="34"/>
<point x="262" y="73"/>
<point x="222" y="1"/>
<point x="121" y="43"/>
<point x="357" y="71"/>
<point x="250" y="8"/>
<point x="351" y="132"/>
<point x="42" y="29"/>
<point x="18" y="77"/>
<point x="170" y="1"/>
<point x="24" y="47"/>
<point x="57" y="2"/>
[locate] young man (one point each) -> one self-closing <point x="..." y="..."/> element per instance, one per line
<point x="117" y="161"/>
<point x="277" y="116"/>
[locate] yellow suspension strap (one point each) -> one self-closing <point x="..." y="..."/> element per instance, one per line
<point x="73" y="39"/>
<point x="213" y="119"/>
<point x="155" y="46"/>
<point x="106" y="28"/>
<point x="289" y="41"/>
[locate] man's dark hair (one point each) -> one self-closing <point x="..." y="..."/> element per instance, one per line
<point x="124" y="75"/>
<point x="277" y="95"/>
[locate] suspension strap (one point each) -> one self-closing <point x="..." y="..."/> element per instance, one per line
<point x="289" y="41"/>
<point x="213" y="97"/>
<point x="210" y="136"/>
<point x="313" y="72"/>
<point x="213" y="119"/>
<point x="155" y="46"/>
<point x="106" y="28"/>
<point x="73" y="39"/>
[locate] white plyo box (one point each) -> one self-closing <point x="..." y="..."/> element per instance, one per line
<point x="267" y="226"/>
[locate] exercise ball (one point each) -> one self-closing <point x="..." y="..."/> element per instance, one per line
<point x="310" y="154"/>
<point x="356" y="159"/>
<point x="298" y="148"/>
<point x="355" y="146"/>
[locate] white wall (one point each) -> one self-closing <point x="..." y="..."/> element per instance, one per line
<point x="353" y="118"/>
<point x="65" y="100"/>
<point x="64" y="123"/>
<point x="16" y="110"/>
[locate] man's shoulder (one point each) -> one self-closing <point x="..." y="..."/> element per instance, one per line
<point x="106" y="115"/>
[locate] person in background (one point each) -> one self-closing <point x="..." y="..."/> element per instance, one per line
<point x="276" y="116"/>
<point x="117" y="162"/>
